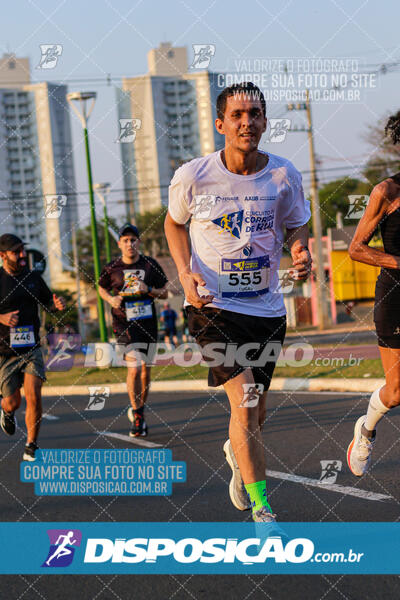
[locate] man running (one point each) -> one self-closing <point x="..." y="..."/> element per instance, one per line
<point x="382" y="210"/>
<point x="168" y="317"/>
<point x="135" y="280"/>
<point x="62" y="544"/>
<point x="21" y="361"/>
<point x="240" y="201"/>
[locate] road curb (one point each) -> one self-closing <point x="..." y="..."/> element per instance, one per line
<point x="283" y="384"/>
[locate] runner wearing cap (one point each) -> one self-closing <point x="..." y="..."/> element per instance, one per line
<point x="135" y="280"/>
<point x="243" y="203"/>
<point x="21" y="361"/>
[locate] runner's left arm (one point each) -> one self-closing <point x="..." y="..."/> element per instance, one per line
<point x="296" y="227"/>
<point x="50" y="302"/>
<point x="158" y="282"/>
<point x="297" y="242"/>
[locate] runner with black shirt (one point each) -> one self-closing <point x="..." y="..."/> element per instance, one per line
<point x="21" y="361"/>
<point x="135" y="280"/>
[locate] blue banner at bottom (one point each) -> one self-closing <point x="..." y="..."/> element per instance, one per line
<point x="200" y="548"/>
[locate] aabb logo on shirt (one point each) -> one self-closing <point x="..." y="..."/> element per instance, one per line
<point x="231" y="223"/>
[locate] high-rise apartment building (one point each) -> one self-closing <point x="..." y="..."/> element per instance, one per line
<point x="36" y="165"/>
<point x="173" y="109"/>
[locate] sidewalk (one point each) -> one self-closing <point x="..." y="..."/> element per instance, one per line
<point x="291" y="384"/>
<point x="342" y="328"/>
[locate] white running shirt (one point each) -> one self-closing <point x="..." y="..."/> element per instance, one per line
<point x="237" y="229"/>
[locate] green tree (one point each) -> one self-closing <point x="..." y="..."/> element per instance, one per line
<point x="385" y="156"/>
<point x="85" y="249"/>
<point x="151" y="227"/>
<point x="334" y="198"/>
<point x="61" y="318"/>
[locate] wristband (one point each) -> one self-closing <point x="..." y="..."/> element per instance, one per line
<point x="149" y="288"/>
<point x="305" y="248"/>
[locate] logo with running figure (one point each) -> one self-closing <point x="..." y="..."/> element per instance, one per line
<point x="203" y="54"/>
<point x="330" y="470"/>
<point x="278" y="129"/>
<point x="230" y="223"/>
<point x="204" y="204"/>
<point x="251" y="394"/>
<point x="50" y="55"/>
<point x="62" y="547"/>
<point x="357" y="206"/>
<point x="97" y="397"/>
<point x="54" y="206"/>
<point x="128" y="129"/>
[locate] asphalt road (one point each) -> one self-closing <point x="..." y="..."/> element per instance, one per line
<point x="301" y="430"/>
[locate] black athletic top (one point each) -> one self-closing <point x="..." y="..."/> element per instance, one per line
<point x="390" y="231"/>
<point x="22" y="292"/>
<point x="137" y="310"/>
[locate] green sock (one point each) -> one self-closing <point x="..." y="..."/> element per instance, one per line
<point x="258" y="495"/>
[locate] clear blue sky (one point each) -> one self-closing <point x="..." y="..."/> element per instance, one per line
<point x="114" y="37"/>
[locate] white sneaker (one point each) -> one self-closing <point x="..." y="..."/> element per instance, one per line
<point x="237" y="491"/>
<point x="360" y="450"/>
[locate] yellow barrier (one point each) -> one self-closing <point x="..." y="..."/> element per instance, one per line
<point x="352" y="280"/>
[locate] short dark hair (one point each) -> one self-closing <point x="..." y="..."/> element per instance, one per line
<point x="392" y="128"/>
<point x="247" y="88"/>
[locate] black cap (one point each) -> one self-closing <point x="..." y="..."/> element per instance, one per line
<point x="128" y="228"/>
<point x="9" y="241"/>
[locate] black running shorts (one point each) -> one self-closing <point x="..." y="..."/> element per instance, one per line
<point x="387" y="314"/>
<point x="213" y="325"/>
<point x="145" y="336"/>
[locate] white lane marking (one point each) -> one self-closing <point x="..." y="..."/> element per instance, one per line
<point x="50" y="417"/>
<point x="331" y="487"/>
<point x="47" y="416"/>
<point x="324" y="392"/>
<point x="126" y="438"/>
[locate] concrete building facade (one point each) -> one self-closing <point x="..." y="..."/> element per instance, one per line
<point x="175" y="113"/>
<point x="36" y="165"/>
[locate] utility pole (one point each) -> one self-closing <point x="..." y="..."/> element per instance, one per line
<point x="317" y="227"/>
<point x="318" y="257"/>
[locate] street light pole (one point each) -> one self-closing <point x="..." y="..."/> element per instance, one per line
<point x="81" y="323"/>
<point x="102" y="190"/>
<point x="83" y="115"/>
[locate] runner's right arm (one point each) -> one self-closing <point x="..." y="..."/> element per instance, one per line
<point x="105" y="286"/>
<point x="377" y="207"/>
<point x="114" y="301"/>
<point x="178" y="242"/>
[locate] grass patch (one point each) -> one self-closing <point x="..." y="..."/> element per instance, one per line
<point x="80" y="376"/>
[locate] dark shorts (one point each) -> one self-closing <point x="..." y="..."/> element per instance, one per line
<point x="387" y="314"/>
<point x="144" y="335"/>
<point x="13" y="368"/>
<point x="213" y="325"/>
<point x="170" y="331"/>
